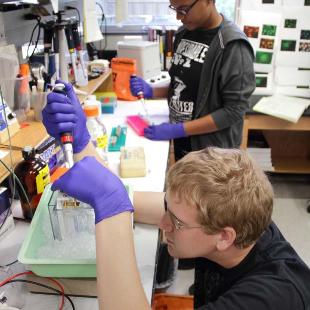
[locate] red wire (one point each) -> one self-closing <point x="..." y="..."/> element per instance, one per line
<point x="15" y="276"/>
<point x="51" y="279"/>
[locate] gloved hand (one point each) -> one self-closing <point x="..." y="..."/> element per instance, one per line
<point x="65" y="114"/>
<point x="165" y="131"/>
<point x="101" y="189"/>
<point x="137" y="85"/>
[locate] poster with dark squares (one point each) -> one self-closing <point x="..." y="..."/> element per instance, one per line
<point x="263" y="57"/>
<point x="305" y="35"/>
<point x="250" y="31"/>
<point x="261" y="81"/>
<point x="268" y="1"/>
<point x="304" y="47"/>
<point x="307" y="2"/>
<point x="266" y="43"/>
<point x="288" y="45"/>
<point x="290" y="23"/>
<point x="269" y="30"/>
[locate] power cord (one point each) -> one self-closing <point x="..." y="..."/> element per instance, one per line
<point x="105" y="26"/>
<point x="9" y="264"/>
<point x="68" y="7"/>
<point x="12" y="279"/>
<point x="31" y="36"/>
<point x="45" y="286"/>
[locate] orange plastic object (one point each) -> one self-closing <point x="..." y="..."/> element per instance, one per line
<point x="164" y="301"/>
<point x="137" y="123"/>
<point x="122" y="69"/>
<point x="23" y="76"/>
<point x="58" y="173"/>
<point x="91" y="110"/>
<point x="24" y="70"/>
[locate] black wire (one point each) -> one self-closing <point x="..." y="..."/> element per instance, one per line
<point x="105" y="25"/>
<point x="31" y="36"/>
<point x="9" y="264"/>
<point x="5" y="218"/>
<point x="78" y="12"/>
<point x="19" y="183"/>
<point x="38" y="38"/>
<point x="42" y="285"/>
<point x="69" y="7"/>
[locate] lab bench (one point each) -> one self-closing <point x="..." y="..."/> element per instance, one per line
<point x="146" y="236"/>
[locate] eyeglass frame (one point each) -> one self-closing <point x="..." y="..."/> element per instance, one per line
<point x="183" y="11"/>
<point x="177" y="223"/>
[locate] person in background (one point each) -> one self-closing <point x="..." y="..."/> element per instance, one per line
<point x="217" y="209"/>
<point x="212" y="78"/>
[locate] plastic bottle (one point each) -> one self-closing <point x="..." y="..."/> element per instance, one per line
<point x="34" y="175"/>
<point x="97" y="130"/>
<point x="92" y="100"/>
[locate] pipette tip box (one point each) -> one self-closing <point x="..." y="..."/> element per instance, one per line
<point x="117" y="138"/>
<point x="137" y="123"/>
<point x="108" y="101"/>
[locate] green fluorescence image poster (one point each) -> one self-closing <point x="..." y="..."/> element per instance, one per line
<point x="290" y="23"/>
<point x="288" y="45"/>
<point x="261" y="81"/>
<point x="263" y="57"/>
<point x="269" y="30"/>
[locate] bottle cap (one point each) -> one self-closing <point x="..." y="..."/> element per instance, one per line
<point x="91" y="110"/>
<point x="91" y="97"/>
<point x="28" y="152"/>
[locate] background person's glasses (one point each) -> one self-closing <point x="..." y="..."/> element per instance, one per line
<point x="184" y="9"/>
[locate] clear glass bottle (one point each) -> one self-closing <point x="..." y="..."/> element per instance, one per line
<point x="97" y="131"/>
<point x="34" y="175"/>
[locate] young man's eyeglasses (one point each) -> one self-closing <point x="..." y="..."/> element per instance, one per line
<point x="178" y="224"/>
<point x="184" y="9"/>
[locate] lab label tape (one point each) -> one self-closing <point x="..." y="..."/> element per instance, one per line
<point x="117" y="138"/>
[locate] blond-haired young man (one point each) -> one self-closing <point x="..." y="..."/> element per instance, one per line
<point x="217" y="209"/>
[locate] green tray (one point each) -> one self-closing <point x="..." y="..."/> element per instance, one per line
<point x="47" y="267"/>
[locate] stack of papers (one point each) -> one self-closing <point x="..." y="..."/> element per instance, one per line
<point x="284" y="107"/>
<point x="262" y="156"/>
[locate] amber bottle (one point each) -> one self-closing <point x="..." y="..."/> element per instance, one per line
<point x="34" y="175"/>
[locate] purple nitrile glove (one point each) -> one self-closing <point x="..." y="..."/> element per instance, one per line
<point x="165" y="131"/>
<point x="65" y="114"/>
<point x="100" y="188"/>
<point x="137" y="85"/>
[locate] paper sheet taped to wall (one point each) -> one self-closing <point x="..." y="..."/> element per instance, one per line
<point x="91" y="27"/>
<point x="284" y="107"/>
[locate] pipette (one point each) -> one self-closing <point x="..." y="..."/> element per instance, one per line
<point x="66" y="138"/>
<point x="140" y="96"/>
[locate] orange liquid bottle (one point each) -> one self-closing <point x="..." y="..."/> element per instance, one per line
<point x="34" y="175"/>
